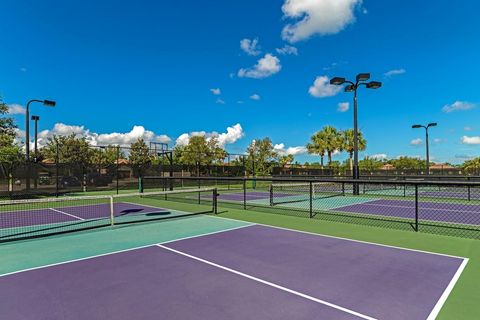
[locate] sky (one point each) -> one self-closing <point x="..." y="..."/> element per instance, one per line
<point x="241" y="70"/>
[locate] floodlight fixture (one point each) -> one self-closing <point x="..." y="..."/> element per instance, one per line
<point x="363" y="77"/>
<point x="337" y="81"/>
<point x="374" y="85"/>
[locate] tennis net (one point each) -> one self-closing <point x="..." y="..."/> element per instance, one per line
<point x="21" y="219"/>
<point x="281" y="193"/>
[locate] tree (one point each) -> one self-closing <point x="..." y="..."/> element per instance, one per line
<point x="105" y="155"/>
<point x="7" y="124"/>
<point x="11" y="156"/>
<point x="317" y="145"/>
<point x="260" y="156"/>
<point x="200" y="150"/>
<point x="286" y="160"/>
<point x="140" y="157"/>
<point x="71" y="149"/>
<point x="408" y="163"/>
<point x="348" y="144"/>
<point x="333" y="141"/>
<point x="370" y="164"/>
<point x="472" y="165"/>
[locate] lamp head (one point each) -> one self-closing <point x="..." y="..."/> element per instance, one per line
<point x="416" y="126"/>
<point x="363" y="77"/>
<point x="337" y="81"/>
<point x="433" y="124"/>
<point x="374" y="85"/>
<point x="350" y="88"/>
<point x="49" y="103"/>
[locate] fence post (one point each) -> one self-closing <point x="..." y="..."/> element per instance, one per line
<point x="468" y="187"/>
<point x="271" y="194"/>
<point x="311" y="199"/>
<point x="416" y="207"/>
<point x="215" y="203"/>
<point x="244" y="193"/>
<point x="57" y="157"/>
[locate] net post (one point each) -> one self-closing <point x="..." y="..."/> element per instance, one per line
<point x="112" y="215"/>
<point x="271" y="194"/>
<point x="244" y="194"/>
<point x="416" y="207"/>
<point x="311" y="199"/>
<point x="214" y="201"/>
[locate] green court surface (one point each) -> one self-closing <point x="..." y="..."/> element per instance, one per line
<point x="461" y="304"/>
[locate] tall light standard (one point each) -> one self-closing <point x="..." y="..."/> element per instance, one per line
<point x="418" y="126"/>
<point x="360" y="80"/>
<point x="35" y="152"/>
<point x="48" y="103"/>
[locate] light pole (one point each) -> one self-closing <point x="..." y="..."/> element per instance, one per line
<point x="35" y="152"/>
<point x="418" y="126"/>
<point x="361" y="79"/>
<point x="47" y="103"/>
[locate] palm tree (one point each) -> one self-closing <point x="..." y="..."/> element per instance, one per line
<point x="333" y="141"/>
<point x="348" y="143"/>
<point x="317" y="146"/>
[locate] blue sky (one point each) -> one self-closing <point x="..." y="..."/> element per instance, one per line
<point x="120" y="70"/>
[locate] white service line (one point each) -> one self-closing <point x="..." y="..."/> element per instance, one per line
<point x="305" y="296"/>
<point x="67" y="214"/>
<point x="438" y="306"/>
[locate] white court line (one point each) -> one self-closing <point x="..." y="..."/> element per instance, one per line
<point x="438" y="306"/>
<point x="67" y="214"/>
<point x="305" y="296"/>
<point x="124" y="250"/>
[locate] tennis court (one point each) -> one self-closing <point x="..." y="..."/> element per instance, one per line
<point x="206" y="267"/>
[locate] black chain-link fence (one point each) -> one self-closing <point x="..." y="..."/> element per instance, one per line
<point x="440" y="207"/>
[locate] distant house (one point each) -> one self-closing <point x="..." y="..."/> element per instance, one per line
<point x="441" y="166"/>
<point x="387" y="166"/>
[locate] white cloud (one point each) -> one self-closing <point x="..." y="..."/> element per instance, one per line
<point x="265" y="67"/>
<point x="379" y="156"/>
<point x="16" y="109"/>
<point x="438" y="140"/>
<point x="250" y="47"/>
<point x="467" y="128"/>
<point x="220" y="101"/>
<point x="343" y="107"/>
<point x="99" y="139"/>
<point x="322" y="88"/>
<point x="233" y="134"/>
<point x="255" y="97"/>
<point x="216" y="91"/>
<point x="457" y="106"/>
<point x="470" y="140"/>
<point x="320" y="17"/>
<point x="282" y="151"/>
<point x="394" y="72"/>
<point x="287" y="50"/>
<point x="416" y="142"/>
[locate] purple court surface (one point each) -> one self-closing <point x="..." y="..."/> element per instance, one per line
<point x="22" y="218"/>
<point x="254" y="272"/>
<point x="432" y="211"/>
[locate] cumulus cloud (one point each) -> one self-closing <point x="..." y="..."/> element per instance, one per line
<point x="322" y="88"/>
<point x="233" y="134"/>
<point x="250" y="47"/>
<point x="16" y="109"/>
<point x="265" y="67"/>
<point x="416" y="142"/>
<point x="343" y="107"/>
<point x="283" y="151"/>
<point x="379" y="156"/>
<point x="287" y="50"/>
<point x="255" y="97"/>
<point x="458" y="106"/>
<point x="216" y="91"/>
<point x="470" y="140"/>
<point x="99" y="139"/>
<point x="320" y="17"/>
<point x="394" y="72"/>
